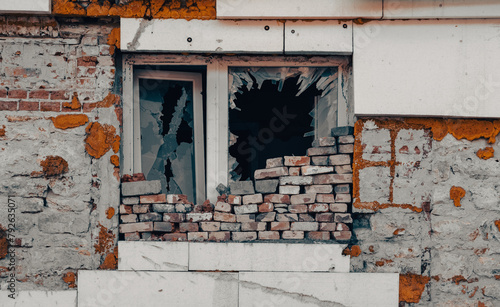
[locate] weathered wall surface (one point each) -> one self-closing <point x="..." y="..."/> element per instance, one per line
<point x="427" y="200"/>
<point x="59" y="135"/>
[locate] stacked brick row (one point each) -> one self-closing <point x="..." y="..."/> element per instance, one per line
<point x="293" y="198"/>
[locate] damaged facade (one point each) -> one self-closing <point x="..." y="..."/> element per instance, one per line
<point x="367" y="125"/>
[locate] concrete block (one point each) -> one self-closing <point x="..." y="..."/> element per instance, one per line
<point x="141" y="188"/>
<point x="121" y="288"/>
<point x="316" y="289"/>
<point x="271" y="257"/>
<point x="241" y="187"/>
<point x="152" y="256"/>
<point x="266" y="186"/>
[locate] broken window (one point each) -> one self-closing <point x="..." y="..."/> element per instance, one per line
<point x="277" y="111"/>
<point x="170" y="112"/>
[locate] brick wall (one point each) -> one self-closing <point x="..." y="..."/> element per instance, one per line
<point x="293" y="198"/>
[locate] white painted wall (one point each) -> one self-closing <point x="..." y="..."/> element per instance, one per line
<point x="25" y="6"/>
<point x="427" y="67"/>
<point x="395" y="9"/>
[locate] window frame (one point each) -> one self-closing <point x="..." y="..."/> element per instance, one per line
<point x="217" y="100"/>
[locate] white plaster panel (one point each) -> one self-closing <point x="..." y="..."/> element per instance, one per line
<point x="219" y="36"/>
<point x="126" y="288"/>
<point x="328" y="36"/>
<point x="276" y="257"/>
<point x="318" y="289"/>
<point x="395" y="9"/>
<point x="153" y="256"/>
<point x="25" y="6"/>
<point x="66" y="298"/>
<point x="427" y="67"/>
<point x="265" y="9"/>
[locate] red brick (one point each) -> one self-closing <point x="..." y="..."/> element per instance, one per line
<point x="322" y="151"/>
<point x="125" y="209"/>
<point x="140" y="208"/>
<point x="224" y="217"/>
<point x="39" y="94"/>
<point x="153" y="199"/>
<point x="29" y="106"/>
<point x="338" y="207"/>
<point x="294" y="171"/>
<point x="297" y="208"/>
<point x="341" y="227"/>
<point x="3" y="93"/>
<point x="327" y="226"/>
<point x="67" y="110"/>
<point x="298" y="235"/>
<point x="59" y="95"/>
<point x="252" y="199"/>
<point x="342" y="235"/>
<point x="280" y="225"/>
<point x="319" y="208"/>
<point x="325" y="198"/>
<point x="222" y="206"/>
<point x="269" y="235"/>
<point x="271" y="173"/>
<point x="175" y="237"/>
<point x="274" y="162"/>
<point x="163" y="226"/>
<point x="22" y="94"/>
<point x="197" y="236"/>
<point x="88" y="107"/>
<point x="187" y="227"/>
<point x="297" y="160"/>
<point x="50" y="106"/>
<point x="346" y="148"/>
<point x="128" y="218"/>
<point x="277" y="199"/>
<point x="266" y="207"/>
<point x="219" y="236"/>
<point x="136" y="227"/>
<point x="252" y="226"/>
<point x="303" y="199"/>
<point x="8" y="105"/>
<point x="343" y="218"/>
<point x="343" y="198"/>
<point x="87" y="61"/>
<point x="332" y="179"/>
<point x="174" y="217"/>
<point x="132" y="236"/>
<point x="210" y="226"/>
<point x="244" y="236"/>
<point x="234" y="199"/>
<point x="304" y="226"/>
<point x="304" y="217"/>
<point x="318" y="235"/>
<point x="324" y="217"/>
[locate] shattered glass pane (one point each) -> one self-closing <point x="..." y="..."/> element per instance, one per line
<point x="277" y="111"/>
<point x="167" y="135"/>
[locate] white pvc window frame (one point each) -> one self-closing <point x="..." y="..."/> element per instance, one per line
<point x="217" y="100"/>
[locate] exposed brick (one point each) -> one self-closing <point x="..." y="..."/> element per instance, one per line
<point x="39" y="94"/>
<point x="175" y="237"/>
<point x="266" y="186"/>
<point x="252" y="199"/>
<point x="234" y="199"/>
<point x="245" y="218"/>
<point x="289" y="189"/>
<point x="269" y="235"/>
<point x="297" y="235"/>
<point x="322" y="151"/>
<point x="297" y="160"/>
<point x="332" y="179"/>
<point x="342" y="227"/>
<point x="199" y="217"/>
<point x="296" y="180"/>
<point x="128" y="218"/>
<point x="342" y="235"/>
<point x="294" y="171"/>
<point x="327" y="141"/>
<point x="151" y="217"/>
<point x="302" y="199"/>
<point x="342" y="189"/>
<point x="346" y="139"/>
<point x="132" y="236"/>
<point x="197" y="236"/>
<point x="314" y="170"/>
<point x="280" y="225"/>
<point x="219" y="236"/>
<point x="88" y="107"/>
<point x="338" y="207"/>
<point x="305" y="217"/>
<point x="210" y="226"/>
<point x="174" y="217"/>
<point x="59" y="95"/>
<point x="246" y="209"/>
<point x="321" y="188"/>
<point x="277" y="199"/>
<point x="274" y="162"/>
<point x="242" y="187"/>
<point x="163" y="226"/>
<point x="3" y="93"/>
<point x="18" y="94"/>
<point x="48" y="106"/>
<point x="343" y="169"/>
<point x="327" y="226"/>
<point x="319" y="208"/>
<point x="343" y="218"/>
<point x="230" y="226"/>
<point x="346" y="148"/>
<point x="320" y="160"/>
<point x="183" y="208"/>
<point x="29" y="105"/>
<point x="8" y="105"/>
<point x="224" y="217"/>
<point x="297" y="208"/>
<point x="136" y="227"/>
<point x="187" y="227"/>
<point x="253" y="226"/>
<point x="325" y="198"/>
<point x="176" y="199"/>
<point x="125" y="209"/>
<point x="339" y="159"/>
<point x="140" y="208"/>
<point x="222" y="207"/>
<point x="153" y="199"/>
<point x="265" y="217"/>
<point x="287" y="217"/>
<point x="324" y="217"/>
<point x="164" y="208"/>
<point x="147" y="236"/>
<point x="304" y="226"/>
<point x="87" y="61"/>
<point x="343" y="198"/>
<point x="244" y="236"/>
<point x="271" y="172"/>
<point x="266" y="207"/>
<point x="318" y="235"/>
<point x="133" y="200"/>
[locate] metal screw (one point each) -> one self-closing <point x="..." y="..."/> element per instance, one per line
<point x="189" y="39"/>
<point x="293" y="31"/>
<point x="266" y="28"/>
<point x="345" y="26"/>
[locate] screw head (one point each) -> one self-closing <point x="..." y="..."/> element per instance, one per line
<point x="266" y="28"/>
<point x="293" y="31"/>
<point x="189" y="39"/>
<point x="345" y="26"/>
